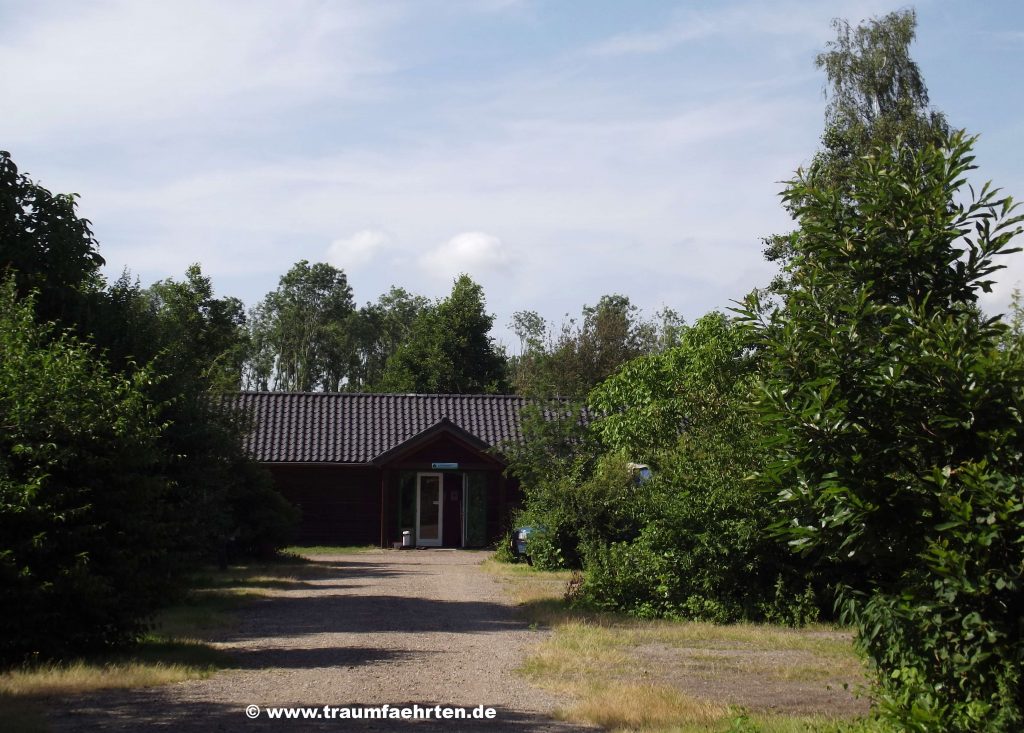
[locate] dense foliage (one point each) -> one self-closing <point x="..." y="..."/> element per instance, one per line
<point x="691" y="542"/>
<point x="84" y="515"/>
<point x="897" y="424"/>
<point x="44" y="245"/>
<point x="378" y="330"/>
<point x="122" y="466"/>
<point x="300" y="339"/>
<point x="703" y="551"/>
<point x="196" y="343"/>
<point x="864" y="411"/>
<point x="586" y="352"/>
<point x="449" y="348"/>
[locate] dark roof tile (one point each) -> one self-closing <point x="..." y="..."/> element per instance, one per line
<point x="322" y="427"/>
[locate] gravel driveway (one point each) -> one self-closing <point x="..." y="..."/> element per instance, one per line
<point x="427" y="627"/>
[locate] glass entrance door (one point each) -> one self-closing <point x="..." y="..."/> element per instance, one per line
<point x="428" y="510"/>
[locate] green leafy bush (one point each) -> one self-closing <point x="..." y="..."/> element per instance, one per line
<point x="572" y="511"/>
<point x="896" y="415"/>
<point x="705" y="555"/>
<point x="261" y="520"/>
<point x="225" y="505"/>
<point x="544" y="547"/>
<point x="83" y="515"/>
<point x="703" y="550"/>
<point x="503" y="552"/>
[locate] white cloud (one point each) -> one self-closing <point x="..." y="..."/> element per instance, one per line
<point x="785" y="18"/>
<point x="147" y="69"/>
<point x="1006" y="281"/>
<point x="499" y="6"/>
<point x="655" y="41"/>
<point x="469" y="252"/>
<point x="358" y="249"/>
<point x="248" y="136"/>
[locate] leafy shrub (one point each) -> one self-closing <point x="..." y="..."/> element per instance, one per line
<point x="692" y="542"/>
<point x="262" y="521"/>
<point x="503" y="552"/>
<point x="664" y="574"/>
<point x="704" y="551"/>
<point x="897" y="419"/>
<point x="789" y="608"/>
<point x="83" y="514"/>
<point x="570" y="511"/>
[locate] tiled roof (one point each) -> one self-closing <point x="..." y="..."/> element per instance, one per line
<point x="320" y="427"/>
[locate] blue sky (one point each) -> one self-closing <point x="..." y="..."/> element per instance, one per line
<point x="555" y="151"/>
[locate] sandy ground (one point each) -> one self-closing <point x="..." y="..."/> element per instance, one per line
<point x="425" y="627"/>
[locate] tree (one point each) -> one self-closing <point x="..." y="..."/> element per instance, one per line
<point x="85" y="528"/>
<point x="877" y="94"/>
<point x="528" y="368"/>
<point x="652" y="400"/>
<point x="877" y="97"/>
<point x="45" y="245"/>
<point x="1015" y="321"/>
<point x="227" y="502"/>
<point x="585" y="353"/>
<point x="896" y="420"/>
<point x="193" y="343"/>
<point x="300" y="335"/>
<point x="693" y="542"/>
<point x="378" y="330"/>
<point x="205" y="336"/>
<point x="449" y="349"/>
<point x="114" y="477"/>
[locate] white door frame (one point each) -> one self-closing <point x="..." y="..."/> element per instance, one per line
<point x="440" y="510"/>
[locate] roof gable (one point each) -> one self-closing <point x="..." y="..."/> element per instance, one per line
<point x="428" y="437"/>
<point x="319" y="427"/>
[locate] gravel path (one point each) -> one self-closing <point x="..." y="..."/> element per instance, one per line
<point x="425" y="627"/>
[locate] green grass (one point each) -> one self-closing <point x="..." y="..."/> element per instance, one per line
<point x="200" y="612"/>
<point x="300" y="551"/>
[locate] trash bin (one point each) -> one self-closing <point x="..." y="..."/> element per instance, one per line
<point x="406" y="538"/>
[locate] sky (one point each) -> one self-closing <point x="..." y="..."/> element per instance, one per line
<point x="554" y="150"/>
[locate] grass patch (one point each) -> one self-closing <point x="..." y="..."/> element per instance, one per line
<point x="643" y="707"/>
<point x="80" y="676"/>
<point x="537" y="593"/>
<point x="155" y="660"/>
<point x="199" y="613"/>
<point x="627" y="674"/>
<point x="299" y="551"/>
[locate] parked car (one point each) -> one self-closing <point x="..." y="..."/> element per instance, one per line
<point x="641" y="472"/>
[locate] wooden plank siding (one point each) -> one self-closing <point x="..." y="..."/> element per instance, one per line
<point x="359" y="505"/>
<point x="340" y="505"/>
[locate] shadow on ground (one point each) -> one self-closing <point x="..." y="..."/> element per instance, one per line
<point x="288" y="616"/>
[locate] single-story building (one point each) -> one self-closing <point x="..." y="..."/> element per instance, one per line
<point x="364" y="468"/>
